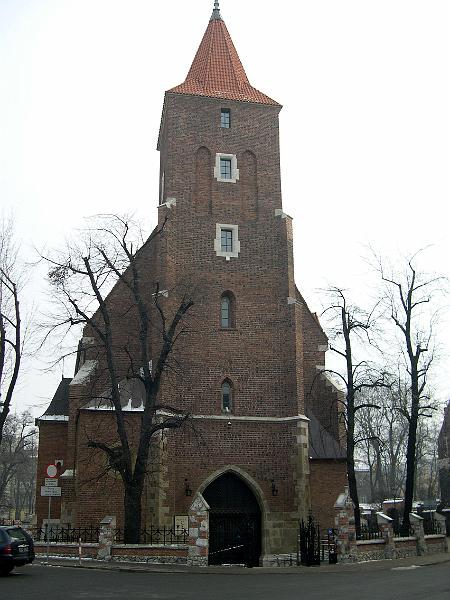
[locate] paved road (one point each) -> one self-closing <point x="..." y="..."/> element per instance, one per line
<point x="62" y="583"/>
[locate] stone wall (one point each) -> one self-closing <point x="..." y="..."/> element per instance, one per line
<point x="350" y="549"/>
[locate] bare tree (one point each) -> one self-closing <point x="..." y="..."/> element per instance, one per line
<point x="383" y="433"/>
<point x="351" y="326"/>
<point x="10" y="320"/>
<point x="16" y="449"/>
<point x="103" y="284"/>
<point x="409" y="296"/>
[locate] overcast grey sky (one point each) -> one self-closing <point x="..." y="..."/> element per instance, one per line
<point x="364" y="128"/>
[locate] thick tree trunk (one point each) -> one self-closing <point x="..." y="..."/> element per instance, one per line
<point x="351" y="475"/>
<point x="352" y="485"/>
<point x="132" y="514"/>
<point x="411" y="455"/>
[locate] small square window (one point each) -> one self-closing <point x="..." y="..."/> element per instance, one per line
<point x="226" y="240"/>
<point x="225" y="168"/>
<point x="225" y="118"/>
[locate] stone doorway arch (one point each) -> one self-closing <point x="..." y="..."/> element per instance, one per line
<point x="234" y="521"/>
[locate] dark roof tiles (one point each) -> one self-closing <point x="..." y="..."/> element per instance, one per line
<point x="59" y="406"/>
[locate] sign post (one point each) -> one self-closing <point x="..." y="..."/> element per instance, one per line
<point x="50" y="489"/>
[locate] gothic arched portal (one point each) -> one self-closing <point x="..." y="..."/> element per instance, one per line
<point x="234" y="522"/>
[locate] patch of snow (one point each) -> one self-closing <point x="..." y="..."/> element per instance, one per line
<point x="53" y="418"/>
<point x="84" y="373"/>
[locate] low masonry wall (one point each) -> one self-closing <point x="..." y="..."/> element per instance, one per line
<point x="405" y="547"/>
<point x="370" y="550"/>
<point x="436" y="543"/>
<point x="387" y="546"/>
<point x="66" y="549"/>
<point x="173" y="554"/>
<point x="194" y="552"/>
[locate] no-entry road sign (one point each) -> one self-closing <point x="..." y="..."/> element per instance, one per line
<point x="52" y="471"/>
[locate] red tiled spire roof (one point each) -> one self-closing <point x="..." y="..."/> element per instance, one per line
<point x="217" y="71"/>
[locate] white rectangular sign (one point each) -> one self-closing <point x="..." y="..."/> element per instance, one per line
<point x="50" y="491"/>
<point x="49" y="482"/>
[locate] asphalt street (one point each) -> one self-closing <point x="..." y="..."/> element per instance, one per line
<point x="62" y="583"/>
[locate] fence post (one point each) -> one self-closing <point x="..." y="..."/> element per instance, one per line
<point x="198" y="532"/>
<point x="106" y="537"/>
<point x="417" y="524"/>
<point x="385" y="524"/>
<point x="345" y="526"/>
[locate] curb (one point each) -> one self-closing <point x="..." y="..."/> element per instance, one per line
<point x="419" y="561"/>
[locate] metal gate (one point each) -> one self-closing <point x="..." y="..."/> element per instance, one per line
<point x="308" y="550"/>
<point x="234" y="522"/>
<point x="234" y="538"/>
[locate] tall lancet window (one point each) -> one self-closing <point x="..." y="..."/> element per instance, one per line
<point x="227" y="305"/>
<point x="227" y="396"/>
<point x="225" y="310"/>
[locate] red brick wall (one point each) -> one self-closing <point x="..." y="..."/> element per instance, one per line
<point x="271" y="353"/>
<point x="327" y="479"/>
<point x="52" y="446"/>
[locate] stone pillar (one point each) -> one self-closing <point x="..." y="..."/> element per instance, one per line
<point x="345" y="524"/>
<point x="417" y="524"/>
<point x="198" y="533"/>
<point x="106" y="538"/>
<point x="385" y="524"/>
<point x="442" y="522"/>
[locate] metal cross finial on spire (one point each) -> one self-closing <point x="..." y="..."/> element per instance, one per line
<point x="216" y="11"/>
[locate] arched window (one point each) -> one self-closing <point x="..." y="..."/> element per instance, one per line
<point x="227" y="396"/>
<point x="225" y="312"/>
<point x="227" y="305"/>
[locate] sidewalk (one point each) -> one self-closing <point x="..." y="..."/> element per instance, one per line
<point x="418" y="561"/>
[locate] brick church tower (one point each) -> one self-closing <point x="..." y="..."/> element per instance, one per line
<point x="264" y="447"/>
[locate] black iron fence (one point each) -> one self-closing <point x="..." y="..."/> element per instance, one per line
<point x="158" y="535"/>
<point x="431" y="527"/>
<point x="369" y="532"/>
<point x="308" y="543"/>
<point x="152" y="535"/>
<point x="58" y="534"/>
<point x="328" y="546"/>
<point x="401" y="530"/>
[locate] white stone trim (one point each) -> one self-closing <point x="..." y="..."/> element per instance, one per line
<point x="53" y="418"/>
<point x="218" y="241"/>
<point x="231" y="417"/>
<point x="169" y="203"/>
<point x="234" y="170"/>
<point x="279" y="213"/>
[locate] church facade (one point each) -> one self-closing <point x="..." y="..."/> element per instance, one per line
<point x="264" y="446"/>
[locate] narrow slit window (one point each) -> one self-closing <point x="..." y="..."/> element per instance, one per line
<point x="225" y="312"/>
<point x="225" y="118"/>
<point x="226" y="396"/>
<point x="225" y="168"/>
<point x="226" y="240"/>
